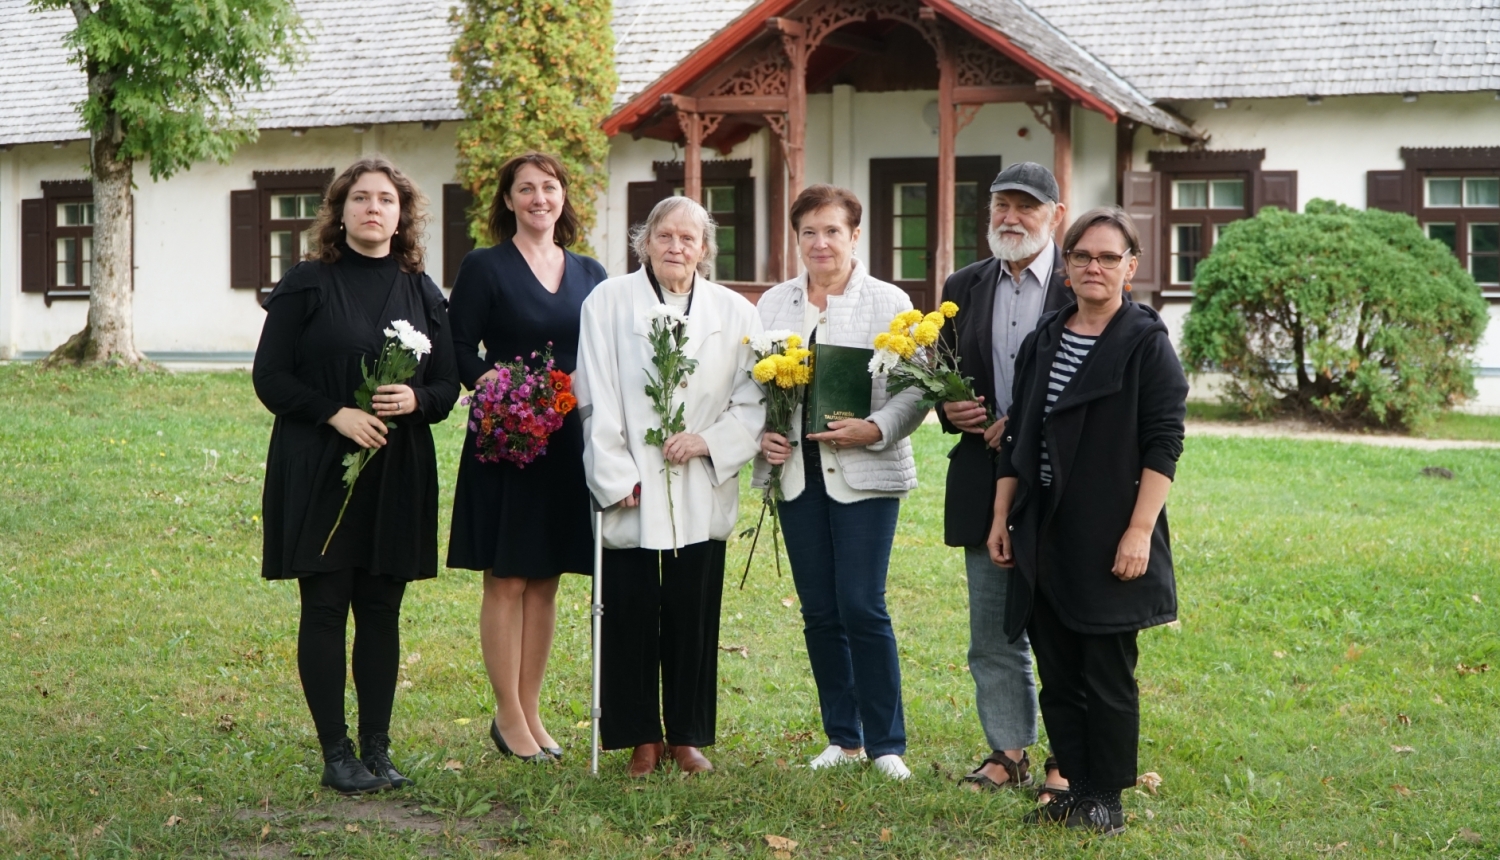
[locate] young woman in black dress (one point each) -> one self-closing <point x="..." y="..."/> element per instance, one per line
<point x="523" y="527"/>
<point x="326" y="316"/>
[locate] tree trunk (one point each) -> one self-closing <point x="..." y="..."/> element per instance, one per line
<point x="109" y="337"/>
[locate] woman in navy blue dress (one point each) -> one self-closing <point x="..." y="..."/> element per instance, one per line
<point x="523" y="527"/>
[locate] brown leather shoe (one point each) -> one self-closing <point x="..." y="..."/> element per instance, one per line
<point x="644" y="760"/>
<point x="689" y="759"/>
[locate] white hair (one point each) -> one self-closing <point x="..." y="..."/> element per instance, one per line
<point x="1025" y="248"/>
<point x="640" y="234"/>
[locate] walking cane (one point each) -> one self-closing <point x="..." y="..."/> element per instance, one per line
<point x="598" y="618"/>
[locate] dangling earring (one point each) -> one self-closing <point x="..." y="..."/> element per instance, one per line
<point x="1127" y="286"/>
<point x="341" y="228"/>
<point x="1068" y="282"/>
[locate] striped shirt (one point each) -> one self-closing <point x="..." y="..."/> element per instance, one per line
<point x="1070" y="355"/>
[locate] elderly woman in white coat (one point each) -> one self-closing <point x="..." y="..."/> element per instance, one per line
<point x="664" y="561"/>
<point x="843" y="491"/>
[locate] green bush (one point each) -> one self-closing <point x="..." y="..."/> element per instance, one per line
<point x="1340" y="314"/>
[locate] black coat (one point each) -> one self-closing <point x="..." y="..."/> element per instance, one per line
<point x="1121" y="413"/>
<point x="970" y="500"/>
<point x="307" y="367"/>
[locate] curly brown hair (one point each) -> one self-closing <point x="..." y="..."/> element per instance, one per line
<point x="406" y="245"/>
<point x="502" y="221"/>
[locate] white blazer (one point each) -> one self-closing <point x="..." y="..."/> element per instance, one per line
<point x="723" y="406"/>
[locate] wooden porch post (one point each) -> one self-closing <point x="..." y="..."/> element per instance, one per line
<point x="947" y="172"/>
<point x="1062" y="155"/>
<point x="776" y="207"/>
<point x="692" y="157"/>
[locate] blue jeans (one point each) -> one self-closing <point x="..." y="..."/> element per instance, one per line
<point x="1004" y="687"/>
<point x="839" y="556"/>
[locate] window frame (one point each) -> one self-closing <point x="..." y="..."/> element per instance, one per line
<point x="1206" y="166"/>
<point x="885" y="175"/>
<point x="1462" y="217"/>
<point x="55" y="194"/>
<point x="275" y="183"/>
<point x="717" y="173"/>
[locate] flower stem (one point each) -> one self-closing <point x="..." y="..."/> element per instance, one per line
<point x="339" y="521"/>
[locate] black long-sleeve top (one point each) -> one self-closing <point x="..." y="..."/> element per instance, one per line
<point x="323" y="321"/>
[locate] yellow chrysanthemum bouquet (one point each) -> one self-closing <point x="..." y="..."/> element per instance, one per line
<point x="782" y="371"/>
<point x="912" y="354"/>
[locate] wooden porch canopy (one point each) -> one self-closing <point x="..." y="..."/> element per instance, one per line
<point x="756" y="72"/>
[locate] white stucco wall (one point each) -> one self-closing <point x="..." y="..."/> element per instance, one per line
<point x="183" y="302"/>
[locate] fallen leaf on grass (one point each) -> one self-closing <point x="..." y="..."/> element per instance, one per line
<point x="463" y="721"/>
<point x="1469" y="836"/>
<point x="1150" y="816"/>
<point x="98" y="830"/>
<point x="351" y="828"/>
<point x="1476" y="599"/>
<point x="1395" y="748"/>
<point x="1354" y="651"/>
<point x="1401" y="789"/>
<point x="885" y="834"/>
<point x="173" y="821"/>
<point x="453" y="764"/>
<point x="1150" y="780"/>
<point x="788" y="601"/>
<point x="1403" y="719"/>
<point x="582" y="724"/>
<point x="1436" y="699"/>
<point x="781" y="763"/>
<point x="265" y="830"/>
<point x="780" y="843"/>
<point x="1242" y="839"/>
<point x="1279" y="655"/>
<point x="225" y="723"/>
<point x="1332" y="848"/>
<point x="1174" y="624"/>
<point x="1472" y="670"/>
<point x="742" y="650"/>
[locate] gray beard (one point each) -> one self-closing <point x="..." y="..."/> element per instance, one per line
<point x="1005" y="246"/>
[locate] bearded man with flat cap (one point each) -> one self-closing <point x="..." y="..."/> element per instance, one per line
<point x="1000" y="301"/>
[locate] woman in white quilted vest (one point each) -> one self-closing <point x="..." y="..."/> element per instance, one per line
<point x="844" y="491"/>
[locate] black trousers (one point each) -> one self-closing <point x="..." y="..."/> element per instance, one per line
<point x="661" y="615"/>
<point x="1090" y="702"/>
<point x="326" y="601"/>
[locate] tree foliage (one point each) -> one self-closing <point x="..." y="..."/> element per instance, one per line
<point x="163" y="75"/>
<point x="1349" y="315"/>
<point x="534" y="75"/>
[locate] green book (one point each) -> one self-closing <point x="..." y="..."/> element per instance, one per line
<point x="840" y="386"/>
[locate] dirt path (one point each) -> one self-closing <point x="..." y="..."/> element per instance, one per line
<point x="1313" y="433"/>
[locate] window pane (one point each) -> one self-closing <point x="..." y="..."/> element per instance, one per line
<point x="720" y="199"/>
<point x="966" y="198"/>
<point x="911" y="264"/>
<point x="283" y="253"/>
<point x="75" y="214"/>
<point x="1486" y="270"/>
<point x="86" y="260"/>
<point x="1482" y="192"/>
<point x="310" y="203"/>
<point x="1484" y="238"/>
<point x="724" y="267"/>
<point x="911" y="198"/>
<point x="67" y="259"/>
<point x="1228" y="193"/>
<point x="964" y="256"/>
<point x="1187" y="247"/>
<point x="1191" y="195"/>
<point x="1445" y="233"/>
<point x="285" y="207"/>
<point x="1444" y="192"/>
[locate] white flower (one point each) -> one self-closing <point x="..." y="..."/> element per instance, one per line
<point x="412" y="340"/>
<point x="883" y="362"/>
<point x="667" y="314"/>
<point x="771" y="341"/>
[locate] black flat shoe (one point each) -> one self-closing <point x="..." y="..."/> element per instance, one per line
<point x="1055" y="811"/>
<point x="375" y="754"/>
<point x="555" y="752"/>
<point x="539" y="757"/>
<point x="1091" y="814"/>
<point x="346" y="774"/>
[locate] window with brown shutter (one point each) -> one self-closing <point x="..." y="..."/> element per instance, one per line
<point x="268" y="226"/>
<point x="57" y="241"/>
<point x="1200" y="192"/>
<point x="457" y="200"/>
<point x="728" y="195"/>
<point x="903" y="222"/>
<point x="1454" y="193"/>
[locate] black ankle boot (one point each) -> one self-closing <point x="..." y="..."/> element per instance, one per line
<point x="345" y="774"/>
<point x="375" y="752"/>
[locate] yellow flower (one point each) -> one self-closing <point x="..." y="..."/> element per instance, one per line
<point x="793" y="341"/>
<point x="897" y="327"/>
<point x="926" y="334"/>
<point x="799" y="354"/>
<point x="911" y="317"/>
<point x="882" y="340"/>
<point x="786" y="372"/>
<point x="745" y="339"/>
<point x="803" y="375"/>
<point x="764" y="370"/>
<point x="903" y="346"/>
<point x="935" y="318"/>
<point x="948" y="309"/>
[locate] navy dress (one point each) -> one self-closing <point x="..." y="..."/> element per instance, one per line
<point x="532" y="522"/>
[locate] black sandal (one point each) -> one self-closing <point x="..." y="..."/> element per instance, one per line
<point x="1018" y="773"/>
<point x="1055" y="790"/>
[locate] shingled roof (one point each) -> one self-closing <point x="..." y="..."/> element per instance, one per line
<point x="366" y="62"/>
<point x="652" y="36"/>
<point x="1200" y="49"/>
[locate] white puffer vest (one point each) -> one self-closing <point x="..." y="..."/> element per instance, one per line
<point x="863" y="311"/>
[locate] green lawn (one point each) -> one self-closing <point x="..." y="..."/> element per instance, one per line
<point x="1447" y="425"/>
<point x="1325" y="695"/>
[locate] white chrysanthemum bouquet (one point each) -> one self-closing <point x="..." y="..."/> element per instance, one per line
<point x="668" y="339"/>
<point x="398" y="361"/>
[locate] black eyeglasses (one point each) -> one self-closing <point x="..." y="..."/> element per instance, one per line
<point x="1081" y="260"/>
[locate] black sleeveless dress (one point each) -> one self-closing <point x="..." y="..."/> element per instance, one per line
<point x="322" y="320"/>
<point x="531" y="522"/>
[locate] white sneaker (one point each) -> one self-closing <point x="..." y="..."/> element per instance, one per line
<point x="834" y="756"/>
<point x="892" y="766"/>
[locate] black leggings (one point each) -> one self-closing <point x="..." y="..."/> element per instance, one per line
<point x="326" y="600"/>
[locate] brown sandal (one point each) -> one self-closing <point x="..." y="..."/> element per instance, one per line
<point x="1018" y="773"/>
<point x="1053" y="791"/>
